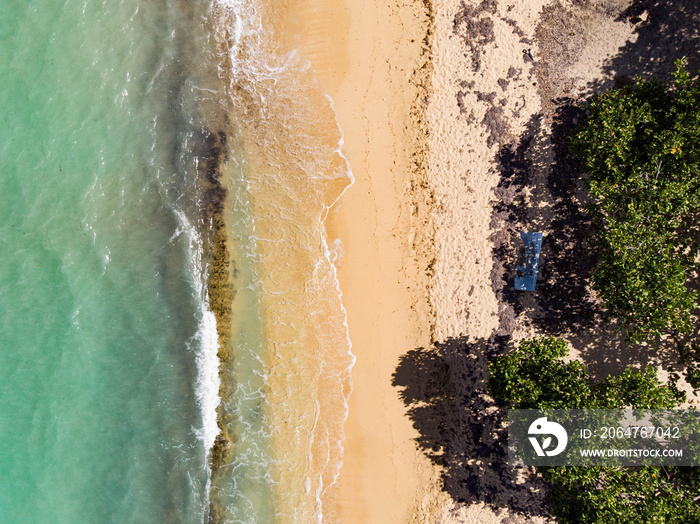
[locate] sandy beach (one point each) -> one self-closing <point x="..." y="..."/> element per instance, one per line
<point x="382" y="223"/>
<point x="455" y="117"/>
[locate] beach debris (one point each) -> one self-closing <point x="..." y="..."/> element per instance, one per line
<point x="642" y="17"/>
<point x="528" y="53"/>
<point x="528" y="261"/>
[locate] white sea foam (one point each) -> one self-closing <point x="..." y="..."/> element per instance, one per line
<point x="309" y="173"/>
<point x="206" y="343"/>
<point x="346" y="377"/>
<point x="208" y="380"/>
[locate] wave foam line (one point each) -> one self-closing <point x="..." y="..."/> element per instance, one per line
<point x="347" y="373"/>
<point x="206" y="341"/>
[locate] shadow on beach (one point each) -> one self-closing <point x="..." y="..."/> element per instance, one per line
<point x="666" y="31"/>
<point x="541" y="187"/>
<point x="461" y="428"/>
<point x="540" y="190"/>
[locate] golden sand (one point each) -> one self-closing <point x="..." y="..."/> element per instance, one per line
<point x="423" y="109"/>
<point x="376" y="75"/>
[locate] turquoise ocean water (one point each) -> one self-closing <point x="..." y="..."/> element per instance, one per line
<point x="109" y="380"/>
<point x="102" y="326"/>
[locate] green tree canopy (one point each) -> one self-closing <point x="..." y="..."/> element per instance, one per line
<point x="640" y="147"/>
<point x="536" y="376"/>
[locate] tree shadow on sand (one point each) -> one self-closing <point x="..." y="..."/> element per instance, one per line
<point x="666" y="30"/>
<point x="563" y="295"/>
<point x="541" y="167"/>
<point x="461" y="428"/>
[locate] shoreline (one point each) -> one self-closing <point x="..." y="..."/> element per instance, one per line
<point x="376" y="78"/>
<point x="382" y="225"/>
<point x="289" y="146"/>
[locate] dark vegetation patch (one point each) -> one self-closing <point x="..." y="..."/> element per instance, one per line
<point x="464" y="108"/>
<point x="485" y="97"/>
<point x="473" y="25"/>
<point x="496" y="125"/>
<point x="561" y="35"/>
<point x="212" y="152"/>
<point x="494" y="120"/>
<point x="517" y="30"/>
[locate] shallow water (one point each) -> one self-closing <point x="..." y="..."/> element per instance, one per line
<point x="293" y="371"/>
<point x="100" y="412"/>
<point x="109" y="380"/>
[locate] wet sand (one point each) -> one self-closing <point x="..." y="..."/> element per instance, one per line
<point x="369" y="60"/>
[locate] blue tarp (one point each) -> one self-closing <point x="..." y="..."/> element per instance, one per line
<point x="528" y="261"/>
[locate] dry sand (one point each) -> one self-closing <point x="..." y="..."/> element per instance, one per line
<point x="446" y="174"/>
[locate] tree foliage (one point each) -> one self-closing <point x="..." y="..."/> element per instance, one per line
<point x="536" y="376"/>
<point x="640" y="147"/>
<point x="606" y="495"/>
